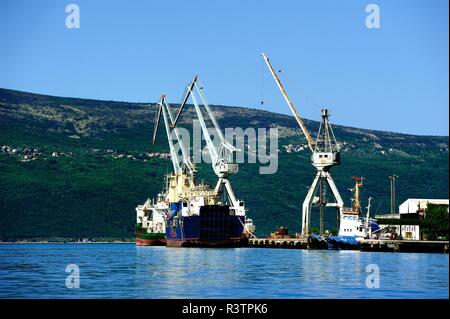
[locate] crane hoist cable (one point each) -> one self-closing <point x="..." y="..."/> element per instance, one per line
<point x="262" y="82"/>
<point x="311" y="142"/>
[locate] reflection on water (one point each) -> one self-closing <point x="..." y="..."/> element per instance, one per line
<point x="127" y="271"/>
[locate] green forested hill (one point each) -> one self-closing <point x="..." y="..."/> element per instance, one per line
<point x="77" y="168"/>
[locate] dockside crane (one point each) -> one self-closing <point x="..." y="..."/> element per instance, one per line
<point x="182" y="180"/>
<point x="221" y="154"/>
<point x="325" y="154"/>
<point x="171" y="130"/>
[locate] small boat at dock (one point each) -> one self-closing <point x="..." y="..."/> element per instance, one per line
<point x="150" y="223"/>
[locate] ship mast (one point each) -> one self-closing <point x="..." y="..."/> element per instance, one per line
<point x="356" y="206"/>
<point x="366" y="225"/>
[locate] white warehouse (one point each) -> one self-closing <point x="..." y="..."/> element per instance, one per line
<point x="411" y="209"/>
<point x="418" y="205"/>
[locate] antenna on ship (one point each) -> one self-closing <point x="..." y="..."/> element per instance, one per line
<point x="368" y="213"/>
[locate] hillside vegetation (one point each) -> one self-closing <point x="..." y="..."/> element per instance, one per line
<point x="78" y="168"/>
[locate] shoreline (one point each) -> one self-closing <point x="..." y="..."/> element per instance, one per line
<point x="65" y="242"/>
<point x="55" y="242"/>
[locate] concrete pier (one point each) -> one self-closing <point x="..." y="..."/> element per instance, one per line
<point x="295" y="243"/>
<point x="417" y="246"/>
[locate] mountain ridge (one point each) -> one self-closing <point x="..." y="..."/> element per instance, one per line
<point x="3" y="90"/>
<point x="81" y="166"/>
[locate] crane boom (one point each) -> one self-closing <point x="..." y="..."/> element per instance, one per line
<point x="221" y="154"/>
<point x="217" y="154"/>
<point x="183" y="103"/>
<point x="325" y="155"/>
<point x="173" y="154"/>
<point x="212" y="149"/>
<point x="311" y="142"/>
<point x="164" y="109"/>
<point x="158" y="118"/>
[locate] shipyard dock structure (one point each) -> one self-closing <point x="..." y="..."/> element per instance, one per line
<point x="192" y="214"/>
<point x="417" y="246"/>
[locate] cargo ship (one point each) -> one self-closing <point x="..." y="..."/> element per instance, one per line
<point x="150" y="222"/>
<point x="200" y="215"/>
<point x="198" y="219"/>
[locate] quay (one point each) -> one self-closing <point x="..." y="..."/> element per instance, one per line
<point x="297" y="243"/>
<point x="416" y="246"/>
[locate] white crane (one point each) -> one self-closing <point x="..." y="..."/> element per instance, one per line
<point x="186" y="168"/>
<point x="164" y="109"/>
<point x="222" y="154"/>
<point x="325" y="155"/>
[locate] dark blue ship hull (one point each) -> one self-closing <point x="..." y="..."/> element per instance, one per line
<point x="343" y="243"/>
<point x="333" y="242"/>
<point x="214" y="227"/>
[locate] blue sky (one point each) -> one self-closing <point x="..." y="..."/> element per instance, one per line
<point x="394" y="78"/>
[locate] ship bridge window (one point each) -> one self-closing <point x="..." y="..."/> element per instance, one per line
<point x="241" y="204"/>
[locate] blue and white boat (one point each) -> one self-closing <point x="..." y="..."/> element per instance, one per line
<point x="352" y="229"/>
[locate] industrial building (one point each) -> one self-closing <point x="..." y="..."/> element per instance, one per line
<point x="417" y="206"/>
<point x="410" y="209"/>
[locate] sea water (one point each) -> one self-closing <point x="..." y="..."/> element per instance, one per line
<point x="128" y="271"/>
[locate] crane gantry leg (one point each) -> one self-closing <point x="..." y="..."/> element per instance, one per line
<point x="326" y="179"/>
<point x="223" y="182"/>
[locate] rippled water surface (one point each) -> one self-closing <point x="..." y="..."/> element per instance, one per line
<point x="127" y="271"/>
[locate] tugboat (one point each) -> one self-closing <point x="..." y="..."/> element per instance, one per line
<point x="352" y="227"/>
<point x="150" y="223"/>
